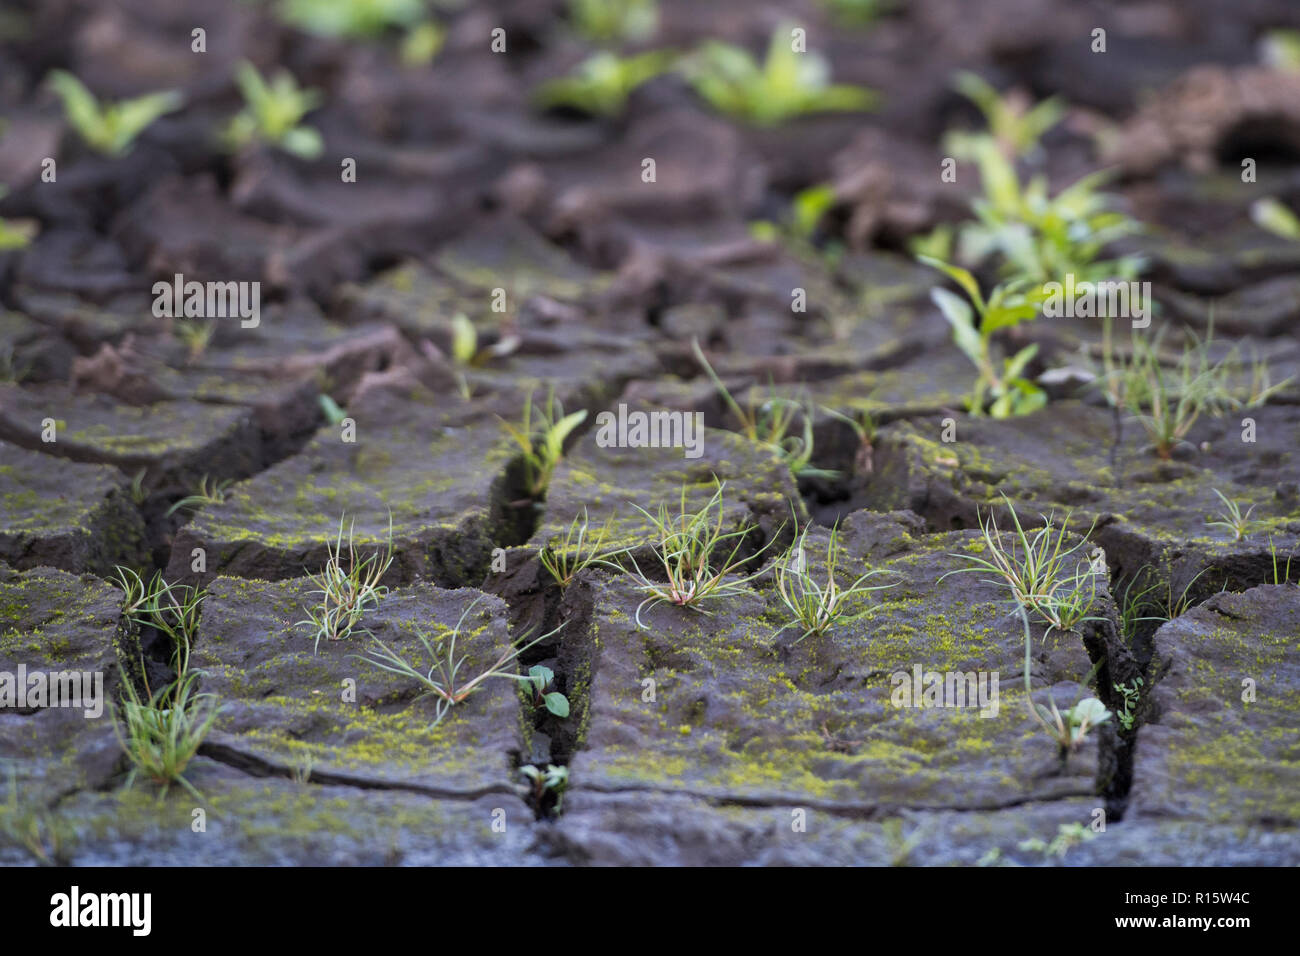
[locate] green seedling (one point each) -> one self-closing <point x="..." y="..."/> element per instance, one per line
<point x="564" y="558"/>
<point x="348" y="587"/>
<point x="1040" y="572"/>
<point x="1015" y="127"/>
<point x="422" y="43"/>
<point x="551" y="780"/>
<point x="1262" y="388"/>
<point x="815" y="606"/>
<point x="1167" y="403"/>
<point x="1068" y="729"/>
<point x="770" y="423"/>
<point x="446" y="679"/>
<point x="540" y="678"/>
<point x="14" y="235"/>
<point x="788" y="84"/>
<point x="33" y="827"/>
<point x="273" y="114"/>
<point x="139" y="494"/>
<point x="109" y="128"/>
<point x="698" y="560"/>
<point x="170" y="609"/>
<point x="1004" y="392"/>
<point x="1230" y="518"/>
<point x="615" y="21"/>
<point x="466" y="352"/>
<point x="196" y="336"/>
<point x="1272" y="216"/>
<point x="163" y="733"/>
<point x="807" y="210"/>
<point x="330" y="409"/>
<point x="350" y="18"/>
<point x="208" y="494"/>
<point x="1285" y="575"/>
<point x="1132" y="695"/>
<point x="302" y="768"/>
<point x="1068" y="836"/>
<point x="541" y="442"/>
<point x="601" y="84"/>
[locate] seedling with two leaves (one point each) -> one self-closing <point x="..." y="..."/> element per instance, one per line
<point x="601" y="84"/>
<point x="109" y="128"/>
<point x="273" y="114"/>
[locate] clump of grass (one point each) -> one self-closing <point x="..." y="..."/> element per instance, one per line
<point x="1168" y="402"/>
<point x="699" y="561"/>
<point x="1040" y="572"/>
<point x="771" y="423"/>
<point x="209" y="493"/>
<point x="109" y="128"/>
<point x="171" y="609"/>
<point x="786" y="85"/>
<point x="273" y="114"/>
<point x="541" y="436"/>
<point x="163" y="732"/>
<point x="601" y="84"/>
<point x="348" y="587"/>
<point x="33" y="827"/>
<point x="1230" y="518"/>
<point x="1002" y="392"/>
<point x="446" y="679"/>
<point x="615" y="21"/>
<point x="564" y="558"/>
<point x="816" y="606"/>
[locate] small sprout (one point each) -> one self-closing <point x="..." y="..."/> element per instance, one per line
<point x="445" y="678"/>
<point x="601" y="84"/>
<point x="350" y="18"/>
<point x="164" y="732"/>
<point x="615" y="21"/>
<point x="542" y="446"/>
<point x="787" y="85"/>
<point x="273" y="114"/>
<point x="551" y="780"/>
<point x="1014" y="125"/>
<point x="540" y="678"/>
<point x="196" y="336"/>
<point x="1009" y="392"/>
<point x="815" y="606"/>
<point x="466" y="352"/>
<point x="301" y="772"/>
<point x="208" y="494"/>
<point x="348" y="587"/>
<point x="1230" y="518"/>
<point x="695" y="555"/>
<point x="422" y="43"/>
<point x="331" y="410"/>
<point x="1132" y="693"/>
<point x="138" y="492"/>
<point x="1068" y="836"/>
<point x="1272" y="216"/>
<point x="109" y="128"/>
<point x="769" y="424"/>
<point x="565" y="557"/>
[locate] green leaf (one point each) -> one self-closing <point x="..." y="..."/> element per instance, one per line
<point x="303" y="141"/>
<point x="959" y="316"/>
<point x="556" y="437"/>
<point x="464" y="339"/>
<point x="557" y="704"/>
<point x="1271" y="215"/>
<point x="541" y="676"/>
<point x="961" y="276"/>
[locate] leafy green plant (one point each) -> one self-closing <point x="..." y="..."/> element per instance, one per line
<point x="1005" y="392"/>
<point x="350" y="18"/>
<point x="770" y="423"/>
<point x="1272" y="216"/>
<point x="1014" y="125"/>
<point x="273" y="114"/>
<point x="163" y="733"/>
<point x="601" y="84"/>
<point x="551" y="780"/>
<point x="1040" y="572"/>
<point x="697" y="559"/>
<point x="814" y="606"/>
<point x="565" y="557"/>
<point x="109" y="128"/>
<point x="1132" y="694"/>
<point x="348" y="587"/>
<point x="615" y="21"/>
<point x="1230" y="518"/>
<point x="446" y="677"/>
<point x="542" y="444"/>
<point x="208" y="494"/>
<point x="786" y="85"/>
<point x="540" y="678"/>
